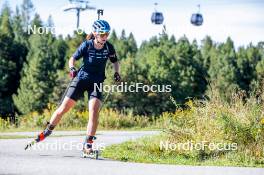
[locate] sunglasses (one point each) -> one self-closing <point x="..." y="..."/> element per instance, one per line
<point x="104" y="34"/>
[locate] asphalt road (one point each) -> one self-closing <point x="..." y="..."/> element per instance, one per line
<point x="61" y="155"/>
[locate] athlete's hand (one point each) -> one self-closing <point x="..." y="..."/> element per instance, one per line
<point x="73" y="72"/>
<point x="117" y="77"/>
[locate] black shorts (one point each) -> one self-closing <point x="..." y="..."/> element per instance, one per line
<point x="78" y="86"/>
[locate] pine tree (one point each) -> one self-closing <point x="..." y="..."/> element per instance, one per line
<point x="12" y="54"/>
<point x="113" y="37"/>
<point x="260" y="63"/>
<point x="132" y="45"/>
<point x="27" y="8"/>
<point x="7" y="75"/>
<point x="50" y="22"/>
<point x="207" y="44"/>
<point x="173" y="39"/>
<point x="125" y="46"/>
<point x="36" y="21"/>
<point x="257" y="83"/>
<point x="162" y="61"/>
<point x="60" y="48"/>
<point x="20" y="35"/>
<point x="39" y="75"/>
<point x="201" y="74"/>
<point x="223" y="69"/>
<point x="121" y="46"/>
<point x="6" y="27"/>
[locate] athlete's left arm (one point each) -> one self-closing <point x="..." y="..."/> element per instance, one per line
<point x="116" y="67"/>
<point x="113" y="58"/>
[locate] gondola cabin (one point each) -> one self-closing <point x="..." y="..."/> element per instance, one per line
<point x="157" y="18"/>
<point x="197" y="19"/>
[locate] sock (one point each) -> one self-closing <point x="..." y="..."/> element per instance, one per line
<point x="46" y="132"/>
<point x="89" y="141"/>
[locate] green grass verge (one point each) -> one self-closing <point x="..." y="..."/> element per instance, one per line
<point x="147" y="150"/>
<point x="26" y="137"/>
<point x="80" y="129"/>
<point x="14" y="137"/>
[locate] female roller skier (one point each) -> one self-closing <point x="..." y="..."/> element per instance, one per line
<point x="95" y="51"/>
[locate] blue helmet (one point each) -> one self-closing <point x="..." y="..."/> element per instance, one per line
<point x="101" y="26"/>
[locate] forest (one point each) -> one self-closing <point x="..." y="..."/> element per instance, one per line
<point x="34" y="67"/>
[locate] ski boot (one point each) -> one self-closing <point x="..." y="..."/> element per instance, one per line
<point x="47" y="131"/>
<point x="88" y="151"/>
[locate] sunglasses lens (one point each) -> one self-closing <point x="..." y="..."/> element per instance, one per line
<point x="104" y="34"/>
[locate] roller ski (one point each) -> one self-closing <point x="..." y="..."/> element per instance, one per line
<point x="88" y="151"/>
<point x="93" y="154"/>
<point x="41" y="136"/>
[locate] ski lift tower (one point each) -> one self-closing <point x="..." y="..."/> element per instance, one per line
<point x="78" y="6"/>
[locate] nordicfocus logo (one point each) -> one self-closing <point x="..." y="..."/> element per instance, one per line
<point x="203" y="145"/>
<point x="134" y="87"/>
<point x="53" y="30"/>
<point x="65" y="146"/>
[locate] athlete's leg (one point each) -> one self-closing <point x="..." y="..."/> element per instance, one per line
<point x="73" y="93"/>
<point x="56" y="117"/>
<point x="94" y="106"/>
<point x="66" y="104"/>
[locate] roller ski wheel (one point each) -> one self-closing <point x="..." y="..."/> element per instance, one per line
<point x="93" y="154"/>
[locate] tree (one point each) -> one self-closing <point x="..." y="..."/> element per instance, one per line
<point x="20" y="35"/>
<point x="161" y="61"/>
<point x="223" y="69"/>
<point x="60" y="49"/>
<point x="132" y="45"/>
<point x="125" y="46"/>
<point x="257" y="84"/>
<point x="7" y="75"/>
<point x="6" y="27"/>
<point x="39" y="75"/>
<point x="50" y="22"/>
<point x="37" y="22"/>
<point x="113" y="37"/>
<point x="59" y="62"/>
<point x="201" y="75"/>
<point x="27" y="8"/>
<point x="12" y="54"/>
<point x="247" y="62"/>
<point x="207" y="45"/>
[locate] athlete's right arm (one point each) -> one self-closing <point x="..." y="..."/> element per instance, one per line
<point x="73" y="71"/>
<point x="77" y="55"/>
<point x="71" y="62"/>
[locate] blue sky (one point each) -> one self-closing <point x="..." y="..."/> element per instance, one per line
<point x="242" y="20"/>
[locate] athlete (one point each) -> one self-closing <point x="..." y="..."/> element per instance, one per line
<point x="95" y="51"/>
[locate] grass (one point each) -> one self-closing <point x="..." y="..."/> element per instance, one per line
<point x="14" y="137"/>
<point x="77" y="120"/>
<point x="239" y="122"/>
<point x="26" y="137"/>
<point x="147" y="150"/>
<point x="233" y="135"/>
<point x="16" y="129"/>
